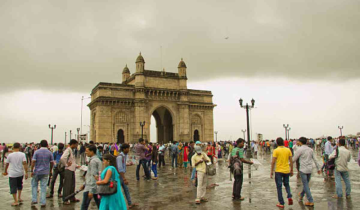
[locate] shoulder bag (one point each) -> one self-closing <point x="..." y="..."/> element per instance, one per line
<point x="107" y="189"/>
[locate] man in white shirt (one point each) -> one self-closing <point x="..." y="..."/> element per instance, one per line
<point x="54" y="148"/>
<point x="342" y="156"/>
<point x="18" y="167"/>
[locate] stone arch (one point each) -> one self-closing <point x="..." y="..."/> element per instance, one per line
<point x="165" y="121"/>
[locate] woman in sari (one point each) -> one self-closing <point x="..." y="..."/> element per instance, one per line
<point x="186" y="153"/>
<point x="180" y="155"/>
<point x="115" y="201"/>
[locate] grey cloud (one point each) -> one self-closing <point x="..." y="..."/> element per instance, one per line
<point x="76" y="44"/>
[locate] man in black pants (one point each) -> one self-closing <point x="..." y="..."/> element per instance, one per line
<point x="56" y="172"/>
<point x="68" y="159"/>
<point x="238" y="154"/>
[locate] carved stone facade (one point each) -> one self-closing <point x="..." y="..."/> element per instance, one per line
<point x="181" y="114"/>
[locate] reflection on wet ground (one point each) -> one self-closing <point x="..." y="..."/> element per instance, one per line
<point x="174" y="190"/>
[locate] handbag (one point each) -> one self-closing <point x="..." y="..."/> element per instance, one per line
<point x="210" y="170"/>
<point x="107" y="189"/>
<point x="61" y="166"/>
<point x="331" y="162"/>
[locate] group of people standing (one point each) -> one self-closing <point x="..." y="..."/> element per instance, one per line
<point x="46" y="166"/>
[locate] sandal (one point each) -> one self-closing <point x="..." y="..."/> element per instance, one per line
<point x="280" y="206"/>
<point x="66" y="203"/>
<point x="75" y="200"/>
<point x="197" y="201"/>
<point x="15" y="204"/>
<point x="204" y="200"/>
<point x="132" y="205"/>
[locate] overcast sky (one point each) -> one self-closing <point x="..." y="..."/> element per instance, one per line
<point x="298" y="59"/>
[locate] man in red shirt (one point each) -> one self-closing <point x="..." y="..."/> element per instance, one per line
<point x="286" y="143"/>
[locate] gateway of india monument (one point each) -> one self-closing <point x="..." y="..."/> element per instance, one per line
<point x="181" y="114"/>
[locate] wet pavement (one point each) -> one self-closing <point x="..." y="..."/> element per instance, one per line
<point x="174" y="190"/>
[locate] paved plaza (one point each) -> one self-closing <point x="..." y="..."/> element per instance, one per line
<point x="174" y="190"/>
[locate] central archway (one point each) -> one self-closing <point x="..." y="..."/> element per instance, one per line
<point x="164" y="125"/>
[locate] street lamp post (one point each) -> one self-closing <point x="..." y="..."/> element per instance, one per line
<point x="247" y="107"/>
<point x="65" y="138"/>
<point x="286" y="127"/>
<point x="216" y="135"/>
<point x="52" y="131"/>
<point x="70" y="135"/>
<point x="142" y="124"/>
<point x="288" y="133"/>
<point x="243" y="133"/>
<point x="78" y="129"/>
<point x="341" y="127"/>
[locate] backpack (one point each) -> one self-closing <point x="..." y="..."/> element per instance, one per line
<point x="174" y="150"/>
<point x="235" y="165"/>
<point x="27" y="150"/>
<point x="61" y="166"/>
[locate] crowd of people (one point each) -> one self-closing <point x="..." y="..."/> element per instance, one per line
<point x="106" y="164"/>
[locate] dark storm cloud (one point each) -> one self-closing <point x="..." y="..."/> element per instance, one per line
<point x="76" y="44"/>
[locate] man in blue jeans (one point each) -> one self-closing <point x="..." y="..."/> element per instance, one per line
<point x="342" y="156"/>
<point x="174" y="154"/>
<point x="140" y="149"/>
<point x="307" y="158"/>
<point x="121" y="166"/>
<point x="284" y="169"/>
<point x="42" y="161"/>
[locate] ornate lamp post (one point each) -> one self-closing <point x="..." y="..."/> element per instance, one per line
<point x="247" y="107"/>
<point x="341" y="127"/>
<point x="65" y="138"/>
<point x="52" y="131"/>
<point x="142" y="124"/>
<point x="78" y="129"/>
<point x="216" y="135"/>
<point x="286" y="127"/>
<point x="70" y="135"/>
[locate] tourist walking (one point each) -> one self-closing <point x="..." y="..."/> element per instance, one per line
<point x="59" y="170"/>
<point x="162" y="150"/>
<point x="307" y="158"/>
<point x="284" y="169"/>
<point x="16" y="167"/>
<point x="186" y="154"/>
<point x="210" y="152"/>
<point x="237" y="155"/>
<point x="342" y="156"/>
<point x="174" y="154"/>
<point x="327" y="152"/>
<point x="94" y="168"/>
<point x="180" y="155"/>
<point x="140" y="149"/>
<point x="116" y="200"/>
<point x="199" y="161"/>
<point x="121" y="163"/>
<point x="154" y="160"/>
<point x="28" y="153"/>
<point x="68" y="159"/>
<point x="42" y="161"/>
